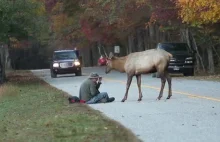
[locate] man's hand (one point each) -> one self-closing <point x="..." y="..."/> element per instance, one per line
<point x="99" y="82"/>
<point x="100" y="79"/>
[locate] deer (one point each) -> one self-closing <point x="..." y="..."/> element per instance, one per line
<point x="142" y="62"/>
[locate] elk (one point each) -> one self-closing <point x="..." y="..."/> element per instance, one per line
<point x="144" y="62"/>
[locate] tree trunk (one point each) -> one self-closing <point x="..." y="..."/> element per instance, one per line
<point x="8" y="60"/>
<point x="152" y="35"/>
<point x="216" y="52"/>
<point x="198" y="56"/>
<point x="163" y="37"/>
<point x="99" y="45"/>
<point x="192" y="46"/>
<point x="130" y="43"/>
<point x="146" y="41"/>
<point x="188" y="38"/>
<point x="2" y="64"/>
<point x="157" y="34"/>
<point x="91" y="57"/>
<point x="95" y="54"/>
<point x="211" y="66"/>
<point x="140" y="40"/>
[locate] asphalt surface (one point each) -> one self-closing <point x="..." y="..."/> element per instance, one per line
<point x="191" y="115"/>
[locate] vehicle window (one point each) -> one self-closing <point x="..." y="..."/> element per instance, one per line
<point x="64" y="55"/>
<point x="174" y="47"/>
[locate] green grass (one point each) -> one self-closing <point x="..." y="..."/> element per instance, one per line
<point x="33" y="111"/>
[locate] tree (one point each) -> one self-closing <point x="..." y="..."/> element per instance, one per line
<point x="199" y="12"/>
<point x="205" y="17"/>
<point x="21" y="18"/>
<point x="23" y="23"/>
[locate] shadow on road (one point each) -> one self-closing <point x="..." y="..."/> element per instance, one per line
<point x="65" y="76"/>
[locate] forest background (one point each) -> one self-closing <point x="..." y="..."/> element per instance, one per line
<point x="31" y="29"/>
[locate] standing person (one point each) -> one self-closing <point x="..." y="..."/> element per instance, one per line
<point x="89" y="90"/>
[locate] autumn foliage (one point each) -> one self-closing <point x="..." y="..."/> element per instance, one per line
<point x="106" y="21"/>
<point x="199" y="12"/>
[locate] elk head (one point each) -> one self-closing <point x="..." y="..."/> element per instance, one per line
<point x="109" y="63"/>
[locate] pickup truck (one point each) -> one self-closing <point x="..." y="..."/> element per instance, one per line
<point x="183" y="60"/>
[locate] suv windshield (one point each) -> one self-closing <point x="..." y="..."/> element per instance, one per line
<point x="64" y="55"/>
<point x="174" y="47"/>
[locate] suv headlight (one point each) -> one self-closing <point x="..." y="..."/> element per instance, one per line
<point x="189" y="62"/>
<point x="76" y="63"/>
<point x="172" y="59"/>
<point x="56" y="65"/>
<point x="189" y="58"/>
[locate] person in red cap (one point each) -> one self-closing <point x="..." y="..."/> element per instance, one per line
<point x="89" y="91"/>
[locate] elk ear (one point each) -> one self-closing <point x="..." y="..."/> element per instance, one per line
<point x="111" y="55"/>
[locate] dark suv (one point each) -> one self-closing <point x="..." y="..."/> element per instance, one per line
<point x="183" y="58"/>
<point x="65" y="62"/>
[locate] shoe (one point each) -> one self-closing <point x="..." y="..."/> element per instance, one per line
<point x="111" y="99"/>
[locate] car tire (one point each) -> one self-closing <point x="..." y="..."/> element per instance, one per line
<point x="191" y="73"/>
<point x="79" y="73"/>
<point x="53" y="75"/>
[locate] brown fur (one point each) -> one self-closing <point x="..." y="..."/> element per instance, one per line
<point x="135" y="64"/>
<point x="118" y="63"/>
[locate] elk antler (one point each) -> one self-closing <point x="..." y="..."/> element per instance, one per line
<point x="111" y="55"/>
<point x="104" y="51"/>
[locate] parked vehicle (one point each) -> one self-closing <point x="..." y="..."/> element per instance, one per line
<point x="102" y="61"/>
<point x="65" y="62"/>
<point x="183" y="60"/>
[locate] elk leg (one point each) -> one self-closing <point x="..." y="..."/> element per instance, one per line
<point x="170" y="85"/>
<point x="163" y="81"/>
<point x="139" y="87"/>
<point x="129" y="79"/>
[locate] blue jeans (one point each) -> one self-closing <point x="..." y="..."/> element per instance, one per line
<point x="101" y="97"/>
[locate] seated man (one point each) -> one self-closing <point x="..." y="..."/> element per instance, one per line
<point x="89" y="91"/>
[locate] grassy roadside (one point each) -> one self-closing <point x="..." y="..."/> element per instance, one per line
<point x="31" y="110"/>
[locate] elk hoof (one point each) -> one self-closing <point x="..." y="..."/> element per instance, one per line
<point x="123" y="100"/>
<point x="168" y="97"/>
<point x="158" y="98"/>
<point x="139" y="100"/>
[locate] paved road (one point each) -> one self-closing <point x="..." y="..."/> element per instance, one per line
<point x="191" y="115"/>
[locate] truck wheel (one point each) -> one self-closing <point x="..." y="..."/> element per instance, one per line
<point x="53" y="75"/>
<point x="79" y="73"/>
<point x="190" y="73"/>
